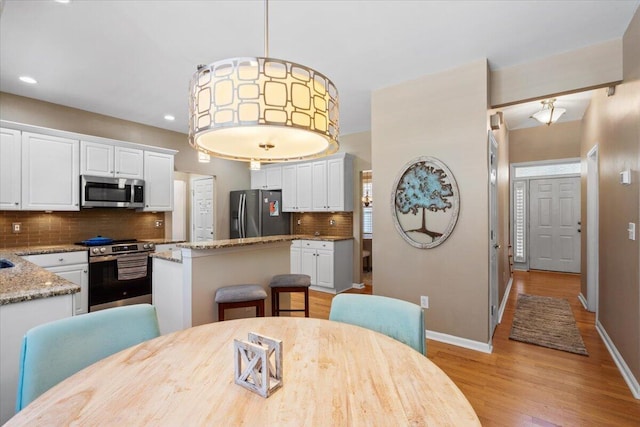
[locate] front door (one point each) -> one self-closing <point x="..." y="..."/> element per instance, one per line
<point x="555" y="224"/>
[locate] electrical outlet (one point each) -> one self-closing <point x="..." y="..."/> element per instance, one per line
<point x="158" y="223"/>
<point x="16" y="227"/>
<point x="424" y="301"/>
<point x="332" y="222"/>
<point x="299" y="222"/>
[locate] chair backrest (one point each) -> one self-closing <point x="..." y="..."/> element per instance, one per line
<point x="398" y="319"/>
<point x="54" y="351"/>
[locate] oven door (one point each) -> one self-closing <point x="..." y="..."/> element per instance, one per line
<point x="106" y="290"/>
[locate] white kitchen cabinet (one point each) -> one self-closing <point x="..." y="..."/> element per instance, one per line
<point x="50" y="173"/>
<point x="329" y="264"/>
<point x="267" y="178"/>
<point x="10" y="179"/>
<point x="158" y="180"/>
<point x="319" y="186"/>
<point x="100" y="159"/>
<point x="319" y="182"/>
<point x="295" y="257"/>
<point x="296" y="187"/>
<point x="72" y="266"/>
<point x="15" y="320"/>
<point x="340" y="184"/>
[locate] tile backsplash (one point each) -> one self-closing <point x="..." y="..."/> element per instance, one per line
<point x="60" y="228"/>
<point x="320" y="222"/>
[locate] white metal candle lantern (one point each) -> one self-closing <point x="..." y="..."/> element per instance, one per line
<point x="254" y="369"/>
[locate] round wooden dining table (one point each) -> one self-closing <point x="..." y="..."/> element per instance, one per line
<point x="334" y="374"/>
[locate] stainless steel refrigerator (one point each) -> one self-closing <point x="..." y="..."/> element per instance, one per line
<point x="257" y="213"/>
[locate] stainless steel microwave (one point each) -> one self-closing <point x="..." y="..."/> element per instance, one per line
<point x="107" y="192"/>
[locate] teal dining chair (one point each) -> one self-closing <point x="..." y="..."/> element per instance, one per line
<point x="54" y="351"/>
<point x="395" y="318"/>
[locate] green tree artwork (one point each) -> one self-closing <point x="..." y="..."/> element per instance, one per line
<point x="426" y="185"/>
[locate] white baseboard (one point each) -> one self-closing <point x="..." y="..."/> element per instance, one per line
<point x="460" y="342"/>
<point x="583" y="301"/>
<point x="631" y="381"/>
<point x="503" y="304"/>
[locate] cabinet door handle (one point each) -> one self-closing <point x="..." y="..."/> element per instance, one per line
<point x="85" y="271"/>
<point x="16" y="203"/>
<point x="61" y="259"/>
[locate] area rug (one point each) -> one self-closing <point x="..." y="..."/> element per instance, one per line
<point x="547" y="322"/>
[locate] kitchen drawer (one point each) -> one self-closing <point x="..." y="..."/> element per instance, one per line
<point x="316" y="244"/>
<point x="58" y="258"/>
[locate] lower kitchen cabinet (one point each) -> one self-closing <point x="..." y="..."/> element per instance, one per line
<point x="15" y="320"/>
<point x="72" y="266"/>
<point x="328" y="263"/>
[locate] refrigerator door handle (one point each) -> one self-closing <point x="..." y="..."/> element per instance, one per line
<point x="242" y="207"/>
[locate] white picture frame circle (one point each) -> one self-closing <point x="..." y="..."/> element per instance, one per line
<point x="425" y="188"/>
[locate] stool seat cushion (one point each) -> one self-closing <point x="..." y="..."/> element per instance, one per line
<point x="290" y="281"/>
<point x="239" y="293"/>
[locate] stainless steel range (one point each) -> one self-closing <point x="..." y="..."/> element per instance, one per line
<point x="119" y="274"/>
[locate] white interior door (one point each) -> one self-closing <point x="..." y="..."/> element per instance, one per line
<point x="494" y="246"/>
<point x="555" y="223"/>
<point x="202" y="208"/>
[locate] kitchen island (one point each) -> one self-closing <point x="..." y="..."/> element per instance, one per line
<point x="185" y="281"/>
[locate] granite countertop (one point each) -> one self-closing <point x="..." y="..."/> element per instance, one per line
<point x="40" y="250"/>
<point x="162" y="241"/>
<point x="176" y="256"/>
<point x="173" y="256"/>
<point x="322" y="238"/>
<point x="230" y="243"/>
<point x="27" y="281"/>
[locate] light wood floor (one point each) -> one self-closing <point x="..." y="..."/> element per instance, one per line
<point x="521" y="384"/>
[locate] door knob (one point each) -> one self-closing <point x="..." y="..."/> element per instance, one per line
<point x="496" y="246"/>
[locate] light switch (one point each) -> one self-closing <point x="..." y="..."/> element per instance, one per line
<point x="625" y="177"/>
<point x="632" y="231"/>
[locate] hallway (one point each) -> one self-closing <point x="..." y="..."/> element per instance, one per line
<point x="522" y="384"/>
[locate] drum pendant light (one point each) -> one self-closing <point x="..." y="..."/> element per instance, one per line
<point x="262" y="109"/>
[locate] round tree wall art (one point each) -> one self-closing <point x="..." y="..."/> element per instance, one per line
<point x="425" y="202"/>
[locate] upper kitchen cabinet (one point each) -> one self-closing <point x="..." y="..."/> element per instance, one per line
<point x="267" y="178"/>
<point x="319" y="186"/>
<point x="340" y="183"/>
<point x="10" y="169"/>
<point x="158" y="179"/>
<point x="100" y="159"/>
<point x="50" y="173"/>
<point x="296" y="188"/>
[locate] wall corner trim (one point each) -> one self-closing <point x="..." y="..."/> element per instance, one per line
<point x="458" y="341"/>
<point x="583" y="301"/>
<point x="631" y="381"/>
<point x="503" y="304"/>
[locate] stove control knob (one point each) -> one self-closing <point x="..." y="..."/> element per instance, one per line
<point x="103" y="250"/>
<point x="95" y="250"/>
<point x="145" y="246"/>
<point x="152" y="246"/>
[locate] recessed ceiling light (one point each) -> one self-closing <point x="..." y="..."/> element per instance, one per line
<point x="27" y="79"/>
<point x="169" y="117"/>
<point x="63" y="1"/>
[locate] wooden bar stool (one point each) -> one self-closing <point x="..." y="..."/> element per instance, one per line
<point x="289" y="283"/>
<point x="236" y="296"/>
